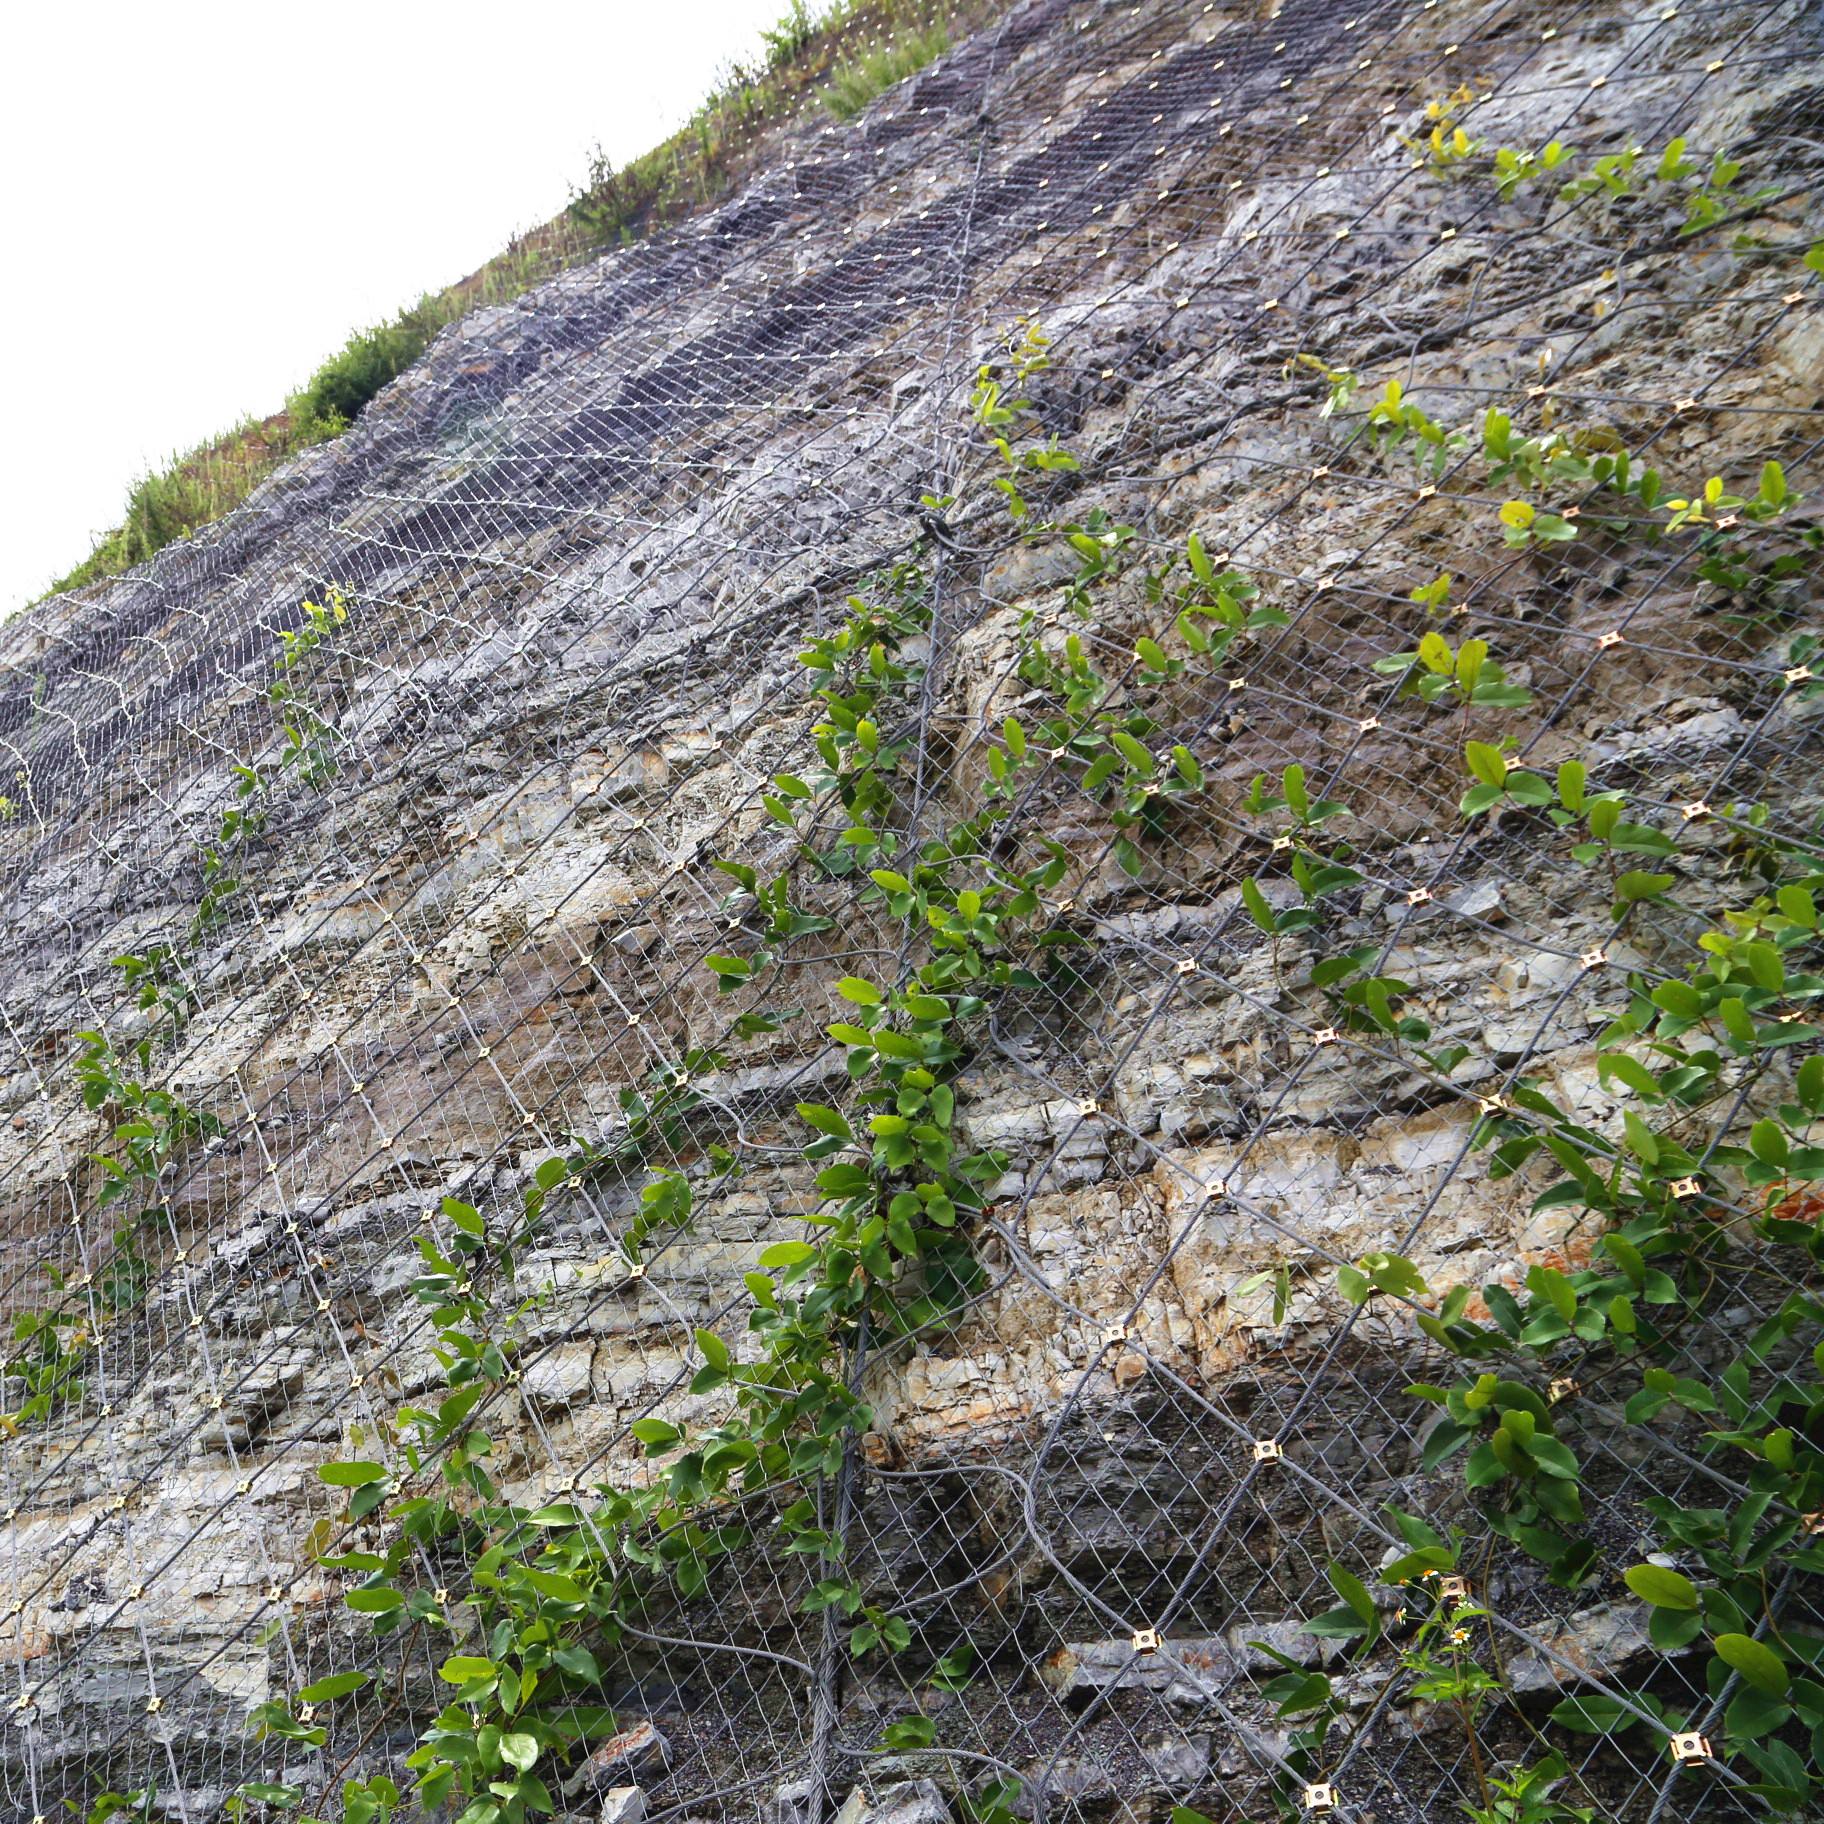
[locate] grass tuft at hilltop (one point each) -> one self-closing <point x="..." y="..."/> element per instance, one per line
<point x="837" y="60"/>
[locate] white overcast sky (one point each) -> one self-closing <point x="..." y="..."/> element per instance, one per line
<point x="198" y="202"/>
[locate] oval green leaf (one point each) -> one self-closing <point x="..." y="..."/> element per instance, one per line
<point x="351" y="1475"/>
<point x="1663" y="1588"/>
<point x="1758" y="1663"/>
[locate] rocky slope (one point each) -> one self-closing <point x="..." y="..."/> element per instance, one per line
<point x="580" y="547"/>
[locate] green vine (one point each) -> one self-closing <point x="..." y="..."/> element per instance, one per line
<point x="889" y="1251"/>
<point x="153" y="1125"/>
<point x="1699" y="1185"/>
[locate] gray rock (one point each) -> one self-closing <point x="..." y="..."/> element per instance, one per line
<point x="1603" y="1641"/>
<point x="623" y="1805"/>
<point x="1179" y="1762"/>
<point x="1189" y="1670"/>
<point x="640" y="1751"/>
<point x="1075" y="1780"/>
<point x="792" y="1803"/>
<point x="910" y="1802"/>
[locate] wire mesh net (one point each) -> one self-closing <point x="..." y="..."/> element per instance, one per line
<point x="410" y="996"/>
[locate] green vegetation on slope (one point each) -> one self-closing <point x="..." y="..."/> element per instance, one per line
<point x="838" y="58"/>
<point x="854" y="84"/>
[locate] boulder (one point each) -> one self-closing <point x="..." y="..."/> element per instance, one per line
<point x="639" y="1752"/>
<point x="909" y="1802"/>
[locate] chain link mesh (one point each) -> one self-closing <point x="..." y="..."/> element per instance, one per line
<point x="579" y="548"/>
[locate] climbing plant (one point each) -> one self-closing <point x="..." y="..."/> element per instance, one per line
<point x="153" y="1125"/>
<point x="1698" y="1184"/>
<point x="889" y="1251"/>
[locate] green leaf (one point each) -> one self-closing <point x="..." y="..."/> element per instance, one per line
<point x="464" y="1215"/>
<point x="1355" y="1593"/>
<point x="1768" y="1143"/>
<point x="1444" y="1438"/>
<point x="655" y="1434"/>
<point x="1601" y="1715"/>
<point x="862" y="993"/>
<point x="264" y="1791"/>
<point x="1799" y="904"/>
<point x="1435" y="654"/>
<point x="465" y="1668"/>
<point x="519" y="1750"/>
<point x="786" y="1254"/>
<point x="909" y="1732"/>
<point x="1334" y="1624"/>
<point x="1136" y="756"/>
<point x="1630" y="1071"/>
<point x="1672" y="1629"/>
<point x="1643" y="1143"/>
<point x="1298" y="800"/>
<point x="1766" y="966"/>
<point x="555" y="1585"/>
<point x="1635" y="885"/>
<point x="351" y="1475"/>
<point x="825" y="1120"/>
<point x="380" y="1600"/>
<point x="1663" y="1588"/>
<point x="1551" y="1285"/>
<point x="1413" y="1530"/>
<point x="338" y="1684"/>
<point x="1736" y="1020"/>
<point x="1679" y="999"/>
<point x="715" y="1351"/>
<point x="1756" y="1662"/>
<point x="1258" y="908"/>
<point x="1486" y="763"/>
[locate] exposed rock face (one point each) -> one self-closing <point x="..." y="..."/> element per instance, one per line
<point x="910" y="1802"/>
<point x="581" y="546"/>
